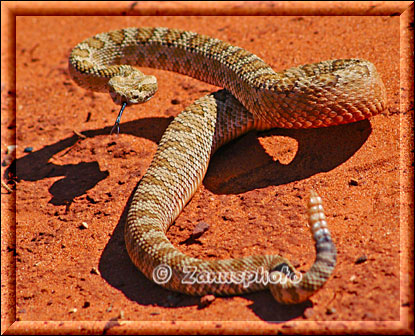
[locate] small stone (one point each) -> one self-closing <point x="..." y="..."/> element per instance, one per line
<point x="86" y="304"/>
<point x="83" y="226"/>
<point x="73" y="311"/>
<point x="361" y="259"/>
<point x="199" y="229"/>
<point x="10" y="155"/>
<point x="331" y="310"/>
<point x="353" y="182"/>
<point x="308" y="313"/>
<point x="94" y="270"/>
<point x="11" y="149"/>
<point x="352" y="278"/>
<point x="206" y="300"/>
<point x="28" y="149"/>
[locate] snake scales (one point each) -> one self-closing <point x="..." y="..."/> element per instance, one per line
<point x="255" y="97"/>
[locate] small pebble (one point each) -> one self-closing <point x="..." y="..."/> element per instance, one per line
<point x="199" y="229"/>
<point x="361" y="259"/>
<point x="308" y="313"/>
<point x="28" y="149"/>
<point x="331" y="310"/>
<point x="10" y="155"/>
<point x="73" y="310"/>
<point x="353" y="182"/>
<point x="83" y="226"/>
<point x="206" y="300"/>
<point x="94" y="270"/>
<point x="10" y="149"/>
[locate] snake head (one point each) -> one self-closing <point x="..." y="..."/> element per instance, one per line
<point x="135" y="88"/>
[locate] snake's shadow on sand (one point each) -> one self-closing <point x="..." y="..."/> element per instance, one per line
<point x="319" y="150"/>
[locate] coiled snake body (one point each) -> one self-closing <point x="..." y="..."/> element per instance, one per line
<point x="255" y="97"/>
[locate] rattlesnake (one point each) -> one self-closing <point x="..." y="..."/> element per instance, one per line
<point x="255" y="97"/>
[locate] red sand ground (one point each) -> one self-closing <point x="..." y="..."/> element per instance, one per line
<point x="253" y="196"/>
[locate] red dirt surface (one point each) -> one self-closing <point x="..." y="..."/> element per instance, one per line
<point x="253" y="197"/>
